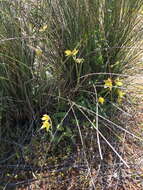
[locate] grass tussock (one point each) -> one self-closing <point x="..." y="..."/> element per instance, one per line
<point x="64" y="59"/>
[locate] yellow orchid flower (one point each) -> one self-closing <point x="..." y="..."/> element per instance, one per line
<point x="108" y="83"/>
<point x="68" y="52"/>
<point x="38" y="51"/>
<point x="74" y="52"/>
<point x="119" y="100"/>
<point x="118" y="82"/>
<point x="46" y="125"/>
<point x="46" y="117"/>
<point x="43" y="28"/>
<point x="79" y="60"/>
<point x="101" y="100"/>
<point x="120" y="93"/>
<point x="47" y="122"/>
<point x="71" y="53"/>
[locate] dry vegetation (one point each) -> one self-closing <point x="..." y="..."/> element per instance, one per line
<point x="78" y="62"/>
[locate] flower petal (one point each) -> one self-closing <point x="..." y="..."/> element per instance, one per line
<point x="68" y="52"/>
<point x="79" y="60"/>
<point x="101" y="100"/>
<point x="42" y="29"/>
<point x="38" y="52"/>
<point x="45" y="117"/>
<point x="118" y="82"/>
<point x="108" y="83"/>
<point x="74" y="52"/>
<point x="46" y="125"/>
<point x="120" y="94"/>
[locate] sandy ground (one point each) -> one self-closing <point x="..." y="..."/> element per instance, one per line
<point x="133" y="147"/>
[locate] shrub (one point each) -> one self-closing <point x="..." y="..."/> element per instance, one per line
<point x="64" y="59"/>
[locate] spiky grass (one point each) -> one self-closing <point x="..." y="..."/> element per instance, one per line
<point x="37" y="77"/>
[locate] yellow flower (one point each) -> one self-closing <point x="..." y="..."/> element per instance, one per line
<point x="118" y="82"/>
<point x="71" y="53"/>
<point x="108" y="83"/>
<point x="68" y="52"/>
<point x="46" y="117"/>
<point x="74" y="52"/>
<point x="101" y="100"/>
<point x="119" y="100"/>
<point x="120" y="93"/>
<point x="46" y="125"/>
<point x="42" y="29"/>
<point x="79" y="60"/>
<point x="38" y="52"/>
<point x="47" y="122"/>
